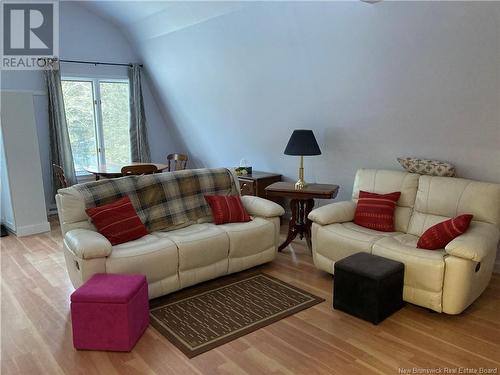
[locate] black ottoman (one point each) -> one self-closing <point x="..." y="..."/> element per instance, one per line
<point x="368" y="286"/>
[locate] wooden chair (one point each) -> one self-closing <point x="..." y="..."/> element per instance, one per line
<point x="138" y="169"/>
<point x="178" y="161"/>
<point x="60" y="177"/>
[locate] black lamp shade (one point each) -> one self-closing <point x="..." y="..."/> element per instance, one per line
<point x="302" y="142"/>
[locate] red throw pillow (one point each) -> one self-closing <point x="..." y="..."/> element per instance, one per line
<point x="117" y="221"/>
<point x="227" y="209"/>
<point x="376" y="211"/>
<point x="438" y="236"/>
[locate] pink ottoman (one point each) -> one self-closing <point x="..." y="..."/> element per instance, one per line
<point x="110" y="312"/>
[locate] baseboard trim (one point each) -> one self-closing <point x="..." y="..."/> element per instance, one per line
<point x="9" y="225"/>
<point x="28" y="230"/>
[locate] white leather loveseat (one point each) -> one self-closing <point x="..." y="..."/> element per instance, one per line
<point x="170" y="260"/>
<point x="446" y="280"/>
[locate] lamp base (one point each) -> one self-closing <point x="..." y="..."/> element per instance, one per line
<point x="300" y="184"/>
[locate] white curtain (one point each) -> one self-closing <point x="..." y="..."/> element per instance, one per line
<point x="139" y="146"/>
<point x="60" y="146"/>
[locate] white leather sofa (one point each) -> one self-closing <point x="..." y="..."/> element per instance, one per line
<point x="446" y="280"/>
<point x="170" y="260"/>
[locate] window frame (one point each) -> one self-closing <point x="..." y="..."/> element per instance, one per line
<point x="96" y="100"/>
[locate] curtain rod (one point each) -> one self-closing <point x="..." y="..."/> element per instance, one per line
<point x="96" y="63"/>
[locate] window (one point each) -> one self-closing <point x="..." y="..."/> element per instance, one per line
<point x="97" y="113"/>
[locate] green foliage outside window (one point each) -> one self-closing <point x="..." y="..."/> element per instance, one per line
<point x="79" y="106"/>
<point x="113" y="118"/>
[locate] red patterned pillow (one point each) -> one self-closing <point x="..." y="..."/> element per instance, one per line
<point x="438" y="236"/>
<point x="117" y="221"/>
<point x="227" y="209"/>
<point x="376" y="211"/>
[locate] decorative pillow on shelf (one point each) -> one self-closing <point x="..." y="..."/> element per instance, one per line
<point x="227" y="209"/>
<point x="376" y="211"/>
<point x="428" y="167"/>
<point x="439" y="235"/>
<point x="117" y="221"/>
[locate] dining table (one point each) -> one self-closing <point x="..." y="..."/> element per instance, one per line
<point x="114" y="170"/>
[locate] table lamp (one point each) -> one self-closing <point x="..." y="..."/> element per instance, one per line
<point x="302" y="143"/>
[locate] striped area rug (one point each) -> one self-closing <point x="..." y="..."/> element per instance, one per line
<point x="209" y="318"/>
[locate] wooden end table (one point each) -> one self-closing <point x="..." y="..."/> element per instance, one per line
<point x="301" y="203"/>
<point x="256" y="183"/>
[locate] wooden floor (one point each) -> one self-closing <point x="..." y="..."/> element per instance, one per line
<point x="36" y="329"/>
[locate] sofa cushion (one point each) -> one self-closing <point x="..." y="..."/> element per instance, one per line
<point x="152" y="256"/>
<point x="376" y="211"/>
<point x="338" y="212"/>
<point x="71" y="210"/>
<point x="227" y="209"/>
<point x="446" y="197"/>
<point x="117" y="221"/>
<point x="257" y="206"/>
<point x="386" y="181"/>
<point x="420" y="222"/>
<point x="428" y="167"/>
<point x="476" y="244"/>
<point x="337" y="241"/>
<point x="203" y="250"/>
<point x="87" y="244"/>
<point x="424" y="269"/>
<point x="199" y="245"/>
<point x="439" y="235"/>
<point x="249" y="238"/>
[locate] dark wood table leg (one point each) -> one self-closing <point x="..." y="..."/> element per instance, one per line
<point x="299" y="223"/>
<point x="292" y="225"/>
<point x="308" y="223"/>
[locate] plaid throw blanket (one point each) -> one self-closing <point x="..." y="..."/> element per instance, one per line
<point x="163" y="200"/>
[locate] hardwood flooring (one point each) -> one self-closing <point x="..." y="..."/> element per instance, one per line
<point x="36" y="329"/>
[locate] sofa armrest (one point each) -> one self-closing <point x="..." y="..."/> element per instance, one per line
<point x="476" y="243"/>
<point x="338" y="212"/>
<point x="87" y="244"/>
<point x="257" y="206"/>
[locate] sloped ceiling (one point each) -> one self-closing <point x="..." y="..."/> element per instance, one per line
<point x="145" y="23"/>
<point x="144" y="20"/>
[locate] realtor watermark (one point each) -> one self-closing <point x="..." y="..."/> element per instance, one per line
<point x="448" y="370"/>
<point x="30" y="34"/>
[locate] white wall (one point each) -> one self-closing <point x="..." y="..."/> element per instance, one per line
<point x="25" y="209"/>
<point x="6" y="212"/>
<point x="373" y="81"/>
<point x="86" y="36"/>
